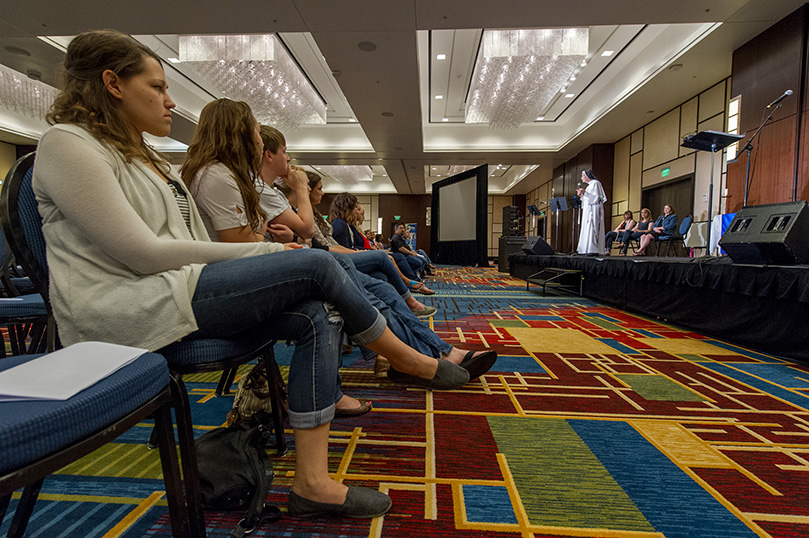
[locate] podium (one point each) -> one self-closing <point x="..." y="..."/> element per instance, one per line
<point x="558" y="204"/>
<point x="712" y="141"/>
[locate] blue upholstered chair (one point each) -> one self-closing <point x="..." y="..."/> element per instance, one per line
<point x="672" y="240"/>
<point x="40" y="437"/>
<point x="23" y="227"/>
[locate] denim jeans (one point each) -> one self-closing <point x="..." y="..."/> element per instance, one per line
<point x="284" y="294"/>
<point x="404" y="266"/>
<point x="401" y="321"/>
<point x="377" y="264"/>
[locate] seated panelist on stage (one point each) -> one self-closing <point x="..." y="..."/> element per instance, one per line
<point x="665" y="225"/>
<point x="627" y="224"/>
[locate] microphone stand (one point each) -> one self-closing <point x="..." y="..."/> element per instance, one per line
<point x="748" y="147"/>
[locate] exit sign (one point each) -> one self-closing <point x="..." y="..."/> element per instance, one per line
<point x="665" y="172"/>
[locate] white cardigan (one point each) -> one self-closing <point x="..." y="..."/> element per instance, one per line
<point x="123" y="264"/>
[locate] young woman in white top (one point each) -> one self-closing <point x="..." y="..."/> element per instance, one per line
<point x="130" y="261"/>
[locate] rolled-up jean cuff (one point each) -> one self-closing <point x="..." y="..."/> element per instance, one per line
<point x="311" y="419"/>
<point x="371" y="333"/>
<point x="407" y="295"/>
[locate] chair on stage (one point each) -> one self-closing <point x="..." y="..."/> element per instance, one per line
<point x="23" y="226"/>
<point x="673" y="240"/>
<point x="39" y="437"/>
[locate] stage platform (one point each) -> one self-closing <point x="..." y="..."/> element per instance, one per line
<point x="762" y="307"/>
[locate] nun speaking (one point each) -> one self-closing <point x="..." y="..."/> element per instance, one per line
<point x="591" y="236"/>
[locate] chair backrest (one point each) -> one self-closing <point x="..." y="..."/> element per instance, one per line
<point x="685" y="225"/>
<point x="22" y="224"/>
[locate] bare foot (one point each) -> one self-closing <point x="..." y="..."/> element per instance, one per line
<point x="414" y="304"/>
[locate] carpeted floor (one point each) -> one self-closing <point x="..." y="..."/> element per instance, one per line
<point x="594" y="422"/>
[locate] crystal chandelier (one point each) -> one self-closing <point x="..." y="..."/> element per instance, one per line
<point x="256" y="69"/>
<point x="518" y="72"/>
<point x="348" y="174"/>
<point x="25" y="96"/>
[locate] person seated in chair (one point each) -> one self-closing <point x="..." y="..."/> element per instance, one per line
<point x="636" y="232"/>
<point x="665" y="225"/>
<point x="627" y="224"/>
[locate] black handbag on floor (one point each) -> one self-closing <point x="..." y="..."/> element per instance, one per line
<point x="235" y="472"/>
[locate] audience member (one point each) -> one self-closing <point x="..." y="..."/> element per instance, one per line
<point x="143" y="263"/>
<point x="342" y="215"/>
<point x="399" y="245"/>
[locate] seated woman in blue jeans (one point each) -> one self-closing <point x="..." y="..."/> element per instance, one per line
<point x="131" y="263"/>
<point x="222" y="196"/>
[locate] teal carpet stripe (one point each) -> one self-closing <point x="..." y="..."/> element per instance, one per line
<point x="801" y="400"/>
<point x="668" y="498"/>
<point x="618" y="346"/>
<point x="741" y="351"/>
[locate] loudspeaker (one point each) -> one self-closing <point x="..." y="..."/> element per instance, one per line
<point x="537" y="245"/>
<point x="772" y="234"/>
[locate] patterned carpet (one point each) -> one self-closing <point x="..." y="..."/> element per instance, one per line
<point x="594" y="423"/>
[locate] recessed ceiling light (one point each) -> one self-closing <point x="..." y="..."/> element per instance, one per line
<point x="608" y="53"/>
<point x="440" y="56"/>
<point x="569" y="95"/>
<point x="540" y="118"/>
<point x="352" y="120"/>
<point x="439" y="96"/>
<point x="17" y="50"/>
<point x="174" y="60"/>
<point x="584" y="63"/>
<point x="572" y="77"/>
<point x="444" y="119"/>
<point x="433" y="167"/>
<point x="563" y="90"/>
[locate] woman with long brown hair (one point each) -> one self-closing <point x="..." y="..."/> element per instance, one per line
<point x="220" y="167"/>
<point x="126" y="245"/>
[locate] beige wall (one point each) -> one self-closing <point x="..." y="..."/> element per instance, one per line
<point x="8" y="154"/>
<point x="641" y="156"/>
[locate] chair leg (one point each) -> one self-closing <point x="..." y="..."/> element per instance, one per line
<point x="24" y="509"/>
<point x="178" y="515"/>
<point x="188" y="456"/>
<point x="274" y="379"/>
<point x="225" y="382"/>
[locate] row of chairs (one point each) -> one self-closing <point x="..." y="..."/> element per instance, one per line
<point x="72" y="439"/>
<point x="672" y="242"/>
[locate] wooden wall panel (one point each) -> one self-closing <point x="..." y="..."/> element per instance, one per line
<point x="773" y="169"/>
<point x="412" y="208"/>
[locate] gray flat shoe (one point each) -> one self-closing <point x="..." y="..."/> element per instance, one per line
<point x="448" y="377"/>
<point x="426" y="313"/>
<point x="360" y="503"/>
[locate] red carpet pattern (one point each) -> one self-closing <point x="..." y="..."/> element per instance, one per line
<point x="593" y="422"/>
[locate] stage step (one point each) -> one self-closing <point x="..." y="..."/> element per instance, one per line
<point x="557" y="279"/>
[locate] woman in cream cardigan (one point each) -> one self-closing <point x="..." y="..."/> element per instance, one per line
<point x="130" y="261"/>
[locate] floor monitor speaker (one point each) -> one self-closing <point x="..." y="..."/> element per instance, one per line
<point x="536" y="245"/>
<point x="771" y="234"/>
